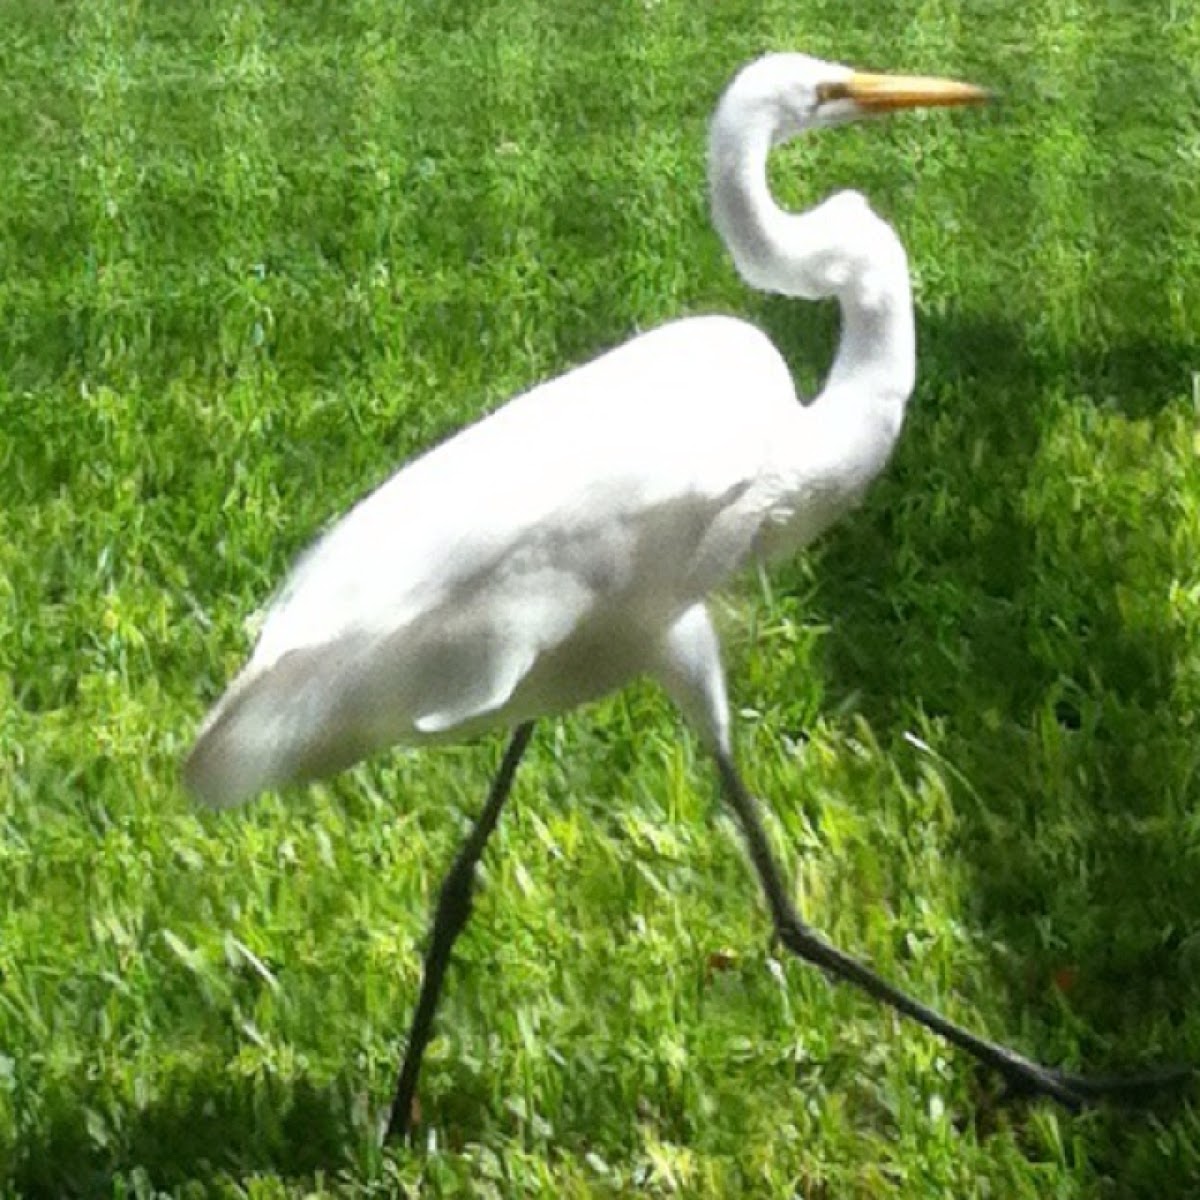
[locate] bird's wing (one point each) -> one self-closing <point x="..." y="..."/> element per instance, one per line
<point x="485" y="693"/>
<point x="631" y="457"/>
<point x="605" y="501"/>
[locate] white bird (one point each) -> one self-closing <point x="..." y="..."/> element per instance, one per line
<point x="567" y="543"/>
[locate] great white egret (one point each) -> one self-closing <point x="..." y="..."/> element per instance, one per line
<point x="567" y="542"/>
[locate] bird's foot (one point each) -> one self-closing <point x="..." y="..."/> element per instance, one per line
<point x="1074" y="1092"/>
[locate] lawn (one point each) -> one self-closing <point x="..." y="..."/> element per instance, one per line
<point x="252" y="257"/>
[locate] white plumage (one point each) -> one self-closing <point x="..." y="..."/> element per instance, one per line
<point x="566" y="543"/>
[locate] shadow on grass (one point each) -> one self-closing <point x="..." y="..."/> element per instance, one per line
<point x="1059" y="707"/>
<point x="208" y="1126"/>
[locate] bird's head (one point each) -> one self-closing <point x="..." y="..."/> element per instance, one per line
<point x="795" y="92"/>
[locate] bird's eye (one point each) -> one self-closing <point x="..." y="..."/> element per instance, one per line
<point x="828" y="92"/>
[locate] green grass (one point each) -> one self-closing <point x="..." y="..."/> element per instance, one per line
<point x="254" y="256"/>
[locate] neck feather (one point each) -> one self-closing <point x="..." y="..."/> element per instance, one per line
<point x="840" y="249"/>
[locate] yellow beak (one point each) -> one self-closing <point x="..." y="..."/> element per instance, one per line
<point x="886" y="93"/>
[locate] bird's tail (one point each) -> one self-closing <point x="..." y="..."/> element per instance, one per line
<point x="272" y="728"/>
<point x="230" y="761"/>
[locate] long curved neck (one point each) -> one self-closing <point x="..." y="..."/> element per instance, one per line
<point x="840" y="248"/>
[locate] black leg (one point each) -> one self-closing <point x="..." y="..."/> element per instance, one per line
<point x="453" y="909"/>
<point x="1021" y="1074"/>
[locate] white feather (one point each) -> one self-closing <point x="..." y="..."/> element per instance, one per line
<point x="567" y="542"/>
